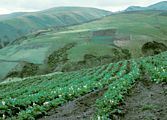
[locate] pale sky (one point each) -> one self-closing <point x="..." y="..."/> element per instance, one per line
<point x="9" y="6"/>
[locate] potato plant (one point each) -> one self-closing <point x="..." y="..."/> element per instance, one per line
<point x="33" y="97"/>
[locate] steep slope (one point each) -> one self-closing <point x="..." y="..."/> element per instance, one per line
<point x="19" y="24"/>
<point x="95" y="93"/>
<point x="158" y="6"/>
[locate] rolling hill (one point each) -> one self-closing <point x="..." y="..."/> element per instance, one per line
<point x="77" y="63"/>
<point x="10" y="16"/>
<point x="71" y="47"/>
<point x="17" y="25"/>
<point x="162" y="6"/>
<point x="109" y="39"/>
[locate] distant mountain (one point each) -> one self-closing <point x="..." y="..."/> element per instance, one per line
<point x="12" y="15"/>
<point x="158" y="6"/>
<point x="13" y="26"/>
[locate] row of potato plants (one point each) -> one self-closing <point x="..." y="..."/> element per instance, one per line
<point x="107" y="104"/>
<point x="156" y="68"/>
<point x="33" y="97"/>
<point x="33" y="105"/>
<point x="66" y="96"/>
<point x="7" y="89"/>
<point x="20" y="98"/>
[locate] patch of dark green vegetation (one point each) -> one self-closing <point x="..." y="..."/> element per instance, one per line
<point x="58" y="61"/>
<point x="153" y="48"/>
<point x="92" y="60"/>
<point x="24" y="69"/>
<point x="58" y="57"/>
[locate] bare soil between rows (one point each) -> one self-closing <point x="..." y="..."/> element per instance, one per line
<point x="82" y="108"/>
<point x="146" y="101"/>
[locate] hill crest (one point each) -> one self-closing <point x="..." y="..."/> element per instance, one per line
<point x="157" y="6"/>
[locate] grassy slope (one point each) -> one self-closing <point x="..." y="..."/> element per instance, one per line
<point x="12" y="15"/>
<point x="6" y="67"/>
<point x="141" y="26"/>
<point x="20" y="25"/>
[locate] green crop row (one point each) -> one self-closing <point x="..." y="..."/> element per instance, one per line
<point x="156" y="68"/>
<point x="106" y="105"/>
<point x="31" y="98"/>
<point x="26" y="100"/>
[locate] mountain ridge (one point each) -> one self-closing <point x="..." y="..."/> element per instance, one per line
<point x="157" y="6"/>
<point x="11" y="26"/>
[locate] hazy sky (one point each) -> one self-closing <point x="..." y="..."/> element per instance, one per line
<point x="8" y="6"/>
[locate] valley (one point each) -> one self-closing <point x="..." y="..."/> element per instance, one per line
<point x="83" y="63"/>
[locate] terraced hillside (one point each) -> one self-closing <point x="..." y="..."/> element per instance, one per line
<point x="52" y="95"/>
<point x="18" y="25"/>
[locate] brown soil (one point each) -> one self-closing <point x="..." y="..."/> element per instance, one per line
<point x="146" y="101"/>
<point x="82" y="108"/>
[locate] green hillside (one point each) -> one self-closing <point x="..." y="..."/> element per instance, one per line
<point x="33" y="97"/>
<point x="133" y="29"/>
<point x="81" y="63"/>
<point x="110" y="39"/>
<point x="11" y="16"/>
<point x="17" y="25"/>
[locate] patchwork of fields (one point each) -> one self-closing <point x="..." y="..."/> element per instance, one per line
<point x="109" y="39"/>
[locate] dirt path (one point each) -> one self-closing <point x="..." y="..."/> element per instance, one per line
<point x="82" y="108"/>
<point x="146" y="101"/>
